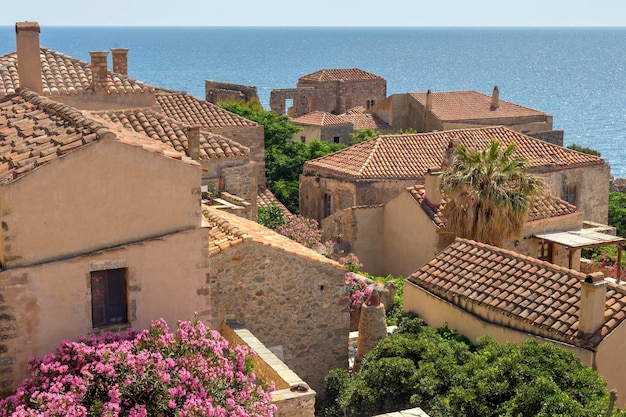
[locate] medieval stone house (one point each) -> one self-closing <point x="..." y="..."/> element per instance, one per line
<point x="480" y="289"/>
<point x="332" y="90"/>
<point x="293" y="299"/>
<point x="378" y="170"/>
<point x="450" y="110"/>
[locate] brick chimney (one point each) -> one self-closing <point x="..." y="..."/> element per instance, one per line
<point x="592" y="303"/>
<point x="28" y="51"/>
<point x="99" y="79"/>
<point x="431" y="185"/>
<point x="120" y="60"/>
<point x="193" y="142"/>
<point x="495" y="98"/>
<point x="429" y="100"/>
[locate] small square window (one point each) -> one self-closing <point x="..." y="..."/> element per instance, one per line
<point x="302" y="139"/>
<point x="108" y="297"/>
<point x="336" y="139"/>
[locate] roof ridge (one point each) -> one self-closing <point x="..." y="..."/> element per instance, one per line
<point x="369" y="158"/>
<point x="69" y="113"/>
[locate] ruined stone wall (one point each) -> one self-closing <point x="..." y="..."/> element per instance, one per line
<point x="592" y="193"/>
<point x="298" y="302"/>
<point x="313" y="188"/>
<point x="329" y="133"/>
<point x="304" y="101"/>
<point x="216" y="91"/>
<point x="554" y="137"/>
<point x="250" y="137"/>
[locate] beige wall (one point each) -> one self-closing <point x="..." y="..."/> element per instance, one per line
<point x="437" y="312"/>
<point x="44" y="304"/>
<point x="297" y="302"/>
<point x="410" y="237"/>
<point x="104" y="194"/>
<point x="592" y="191"/>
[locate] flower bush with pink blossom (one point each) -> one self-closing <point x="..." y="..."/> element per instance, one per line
<point x="606" y="258"/>
<point x="191" y="372"/>
<point x="304" y="231"/>
<point x="359" y="290"/>
<point x="351" y="262"/>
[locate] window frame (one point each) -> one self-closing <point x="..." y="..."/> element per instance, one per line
<point x="109" y="297"/>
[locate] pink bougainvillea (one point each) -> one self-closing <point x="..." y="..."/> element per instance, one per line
<point x="190" y="372"/>
<point x="304" y="231"/>
<point x="359" y="290"/>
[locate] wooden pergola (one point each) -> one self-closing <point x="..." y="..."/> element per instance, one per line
<point x="580" y="239"/>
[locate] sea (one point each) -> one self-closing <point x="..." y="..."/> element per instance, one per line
<point x="577" y="75"/>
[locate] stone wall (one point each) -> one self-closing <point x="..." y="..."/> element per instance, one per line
<point x="551" y="136"/>
<point x="294" y="301"/>
<point x="268" y="368"/>
<point x="216" y="91"/>
<point x="251" y="137"/>
<point x="312" y="190"/>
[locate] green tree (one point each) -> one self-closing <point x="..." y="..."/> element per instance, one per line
<point x="583" y="149"/>
<point x="284" y="158"/>
<point x="361" y="135"/>
<point x="447" y="376"/>
<point x="488" y="193"/>
<point x="617" y="212"/>
<point x="271" y="216"/>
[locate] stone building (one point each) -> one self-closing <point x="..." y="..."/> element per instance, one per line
<point x="378" y="170"/>
<point x="101" y="230"/>
<point x="330" y="90"/>
<point x="480" y="289"/>
<point x="403" y="234"/>
<point x="292" y="298"/>
<point x="450" y="110"/>
<point x="217" y="91"/>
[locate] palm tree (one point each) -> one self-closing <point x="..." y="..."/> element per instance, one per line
<point x="488" y="193"/>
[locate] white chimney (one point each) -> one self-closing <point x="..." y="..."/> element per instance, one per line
<point x="592" y="303"/>
<point x="495" y="98"/>
<point x="193" y="142"/>
<point x="431" y="185"/>
<point x="28" y="51"/>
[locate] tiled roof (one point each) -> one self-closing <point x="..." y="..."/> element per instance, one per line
<point x="319" y="118"/>
<point x="265" y="198"/>
<point x="361" y="119"/>
<point x="543" y="207"/>
<point x="409" y="156"/>
<point x="341" y="74"/>
<point x="471" y="105"/>
<point x="230" y="230"/>
<point x="174" y="133"/>
<point x="540" y="298"/>
<point x="195" y="112"/>
<point x="35" y="130"/>
<point x="64" y="75"/>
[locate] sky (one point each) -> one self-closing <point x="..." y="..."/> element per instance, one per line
<point x="316" y="12"/>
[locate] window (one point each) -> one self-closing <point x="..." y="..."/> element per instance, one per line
<point x="569" y="194"/>
<point x="335" y="139"/>
<point x="544" y="251"/>
<point x="302" y="139"/>
<point x="326" y="205"/>
<point x="370" y="103"/>
<point x="108" y="297"/>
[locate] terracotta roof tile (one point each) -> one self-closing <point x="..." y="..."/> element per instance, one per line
<point x="545" y="302"/>
<point x="228" y="230"/>
<point x="543" y="207"/>
<point x="319" y="118"/>
<point x="471" y="105"/>
<point x="409" y="156"/>
<point x="174" y="133"/>
<point x="343" y="74"/>
<point x="265" y="198"/>
<point x="64" y="75"/>
<point x="361" y="119"/>
<point x="35" y="130"/>
<point x="195" y="112"/>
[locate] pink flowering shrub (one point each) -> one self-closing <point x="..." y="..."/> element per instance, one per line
<point x="304" y="231"/>
<point x="607" y="258"/>
<point x="192" y="372"/>
<point x="351" y="262"/>
<point x="359" y="290"/>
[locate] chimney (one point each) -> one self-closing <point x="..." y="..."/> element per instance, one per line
<point x="431" y="185"/>
<point x="99" y="74"/>
<point x="592" y="303"/>
<point x="495" y="98"/>
<point x="28" y="60"/>
<point x="193" y="142"/>
<point x="429" y="100"/>
<point x="120" y="60"/>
